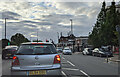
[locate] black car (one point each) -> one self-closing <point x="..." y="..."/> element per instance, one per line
<point x="106" y="52"/>
<point x="8" y="53"/>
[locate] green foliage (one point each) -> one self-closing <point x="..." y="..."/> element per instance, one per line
<point x="18" y="39"/>
<point x="104" y="31"/>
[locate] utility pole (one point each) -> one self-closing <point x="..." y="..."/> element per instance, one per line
<point x="30" y="38"/>
<point x="71" y="26"/>
<point x="37" y="35"/>
<point x="58" y="37"/>
<point x="5" y="28"/>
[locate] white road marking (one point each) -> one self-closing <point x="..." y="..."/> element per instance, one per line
<point x="63" y="73"/>
<point x="84" y="73"/>
<point x="71" y="63"/>
<point x="70" y="69"/>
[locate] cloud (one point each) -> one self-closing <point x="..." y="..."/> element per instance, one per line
<point x="9" y="15"/>
<point x="48" y="18"/>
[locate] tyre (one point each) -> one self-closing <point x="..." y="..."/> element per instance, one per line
<point x="83" y="53"/>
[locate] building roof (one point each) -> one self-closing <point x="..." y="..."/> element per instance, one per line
<point x="37" y="43"/>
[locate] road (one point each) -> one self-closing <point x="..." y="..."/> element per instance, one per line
<point x="78" y="65"/>
<point x="0" y="65"/>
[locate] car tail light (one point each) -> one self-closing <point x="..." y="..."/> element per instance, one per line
<point x="15" y="61"/>
<point x="57" y="59"/>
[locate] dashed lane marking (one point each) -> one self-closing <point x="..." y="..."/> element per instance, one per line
<point x="84" y="73"/>
<point x="70" y="69"/>
<point x="63" y="73"/>
<point x="71" y="63"/>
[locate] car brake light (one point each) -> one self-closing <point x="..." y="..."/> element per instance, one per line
<point x="15" y="61"/>
<point x="14" y="57"/>
<point x="57" y="59"/>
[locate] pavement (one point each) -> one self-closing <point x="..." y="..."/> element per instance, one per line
<point x="115" y="58"/>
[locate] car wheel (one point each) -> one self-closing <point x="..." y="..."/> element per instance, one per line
<point x="100" y="55"/>
<point x="83" y="53"/>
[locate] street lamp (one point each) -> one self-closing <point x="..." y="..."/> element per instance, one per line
<point x="5" y="27"/>
<point x="58" y="37"/>
<point x="71" y="27"/>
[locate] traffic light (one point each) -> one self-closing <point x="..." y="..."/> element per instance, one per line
<point x="8" y="43"/>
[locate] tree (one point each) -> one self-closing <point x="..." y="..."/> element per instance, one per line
<point x="110" y="26"/>
<point x="104" y="31"/>
<point x="95" y="36"/>
<point x="18" y="39"/>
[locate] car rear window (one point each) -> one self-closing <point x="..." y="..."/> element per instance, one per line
<point x="37" y="49"/>
<point x="10" y="50"/>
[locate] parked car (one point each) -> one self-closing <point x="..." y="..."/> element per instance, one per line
<point x="59" y="49"/>
<point x="12" y="46"/>
<point x="9" y="52"/>
<point x="34" y="58"/>
<point x="102" y="52"/>
<point x="67" y="51"/>
<point x="87" y="51"/>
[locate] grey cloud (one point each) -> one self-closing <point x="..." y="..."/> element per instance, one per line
<point x="37" y="23"/>
<point x="9" y="15"/>
<point x="27" y="21"/>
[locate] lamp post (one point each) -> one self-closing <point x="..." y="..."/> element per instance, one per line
<point x="5" y="27"/>
<point x="71" y="27"/>
<point x="58" y="36"/>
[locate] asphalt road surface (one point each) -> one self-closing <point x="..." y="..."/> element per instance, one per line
<point x="0" y="65"/>
<point x="78" y="65"/>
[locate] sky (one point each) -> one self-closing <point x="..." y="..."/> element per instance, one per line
<point x="48" y="18"/>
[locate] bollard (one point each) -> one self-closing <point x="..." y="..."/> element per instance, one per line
<point x="107" y="58"/>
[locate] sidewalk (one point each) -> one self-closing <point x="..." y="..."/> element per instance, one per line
<point x="77" y="52"/>
<point x="115" y="58"/>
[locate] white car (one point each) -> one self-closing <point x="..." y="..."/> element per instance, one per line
<point x="59" y="49"/>
<point x="67" y="51"/>
<point x="12" y="46"/>
<point x="87" y="51"/>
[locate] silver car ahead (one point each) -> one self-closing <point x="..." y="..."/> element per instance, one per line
<point x="36" y="59"/>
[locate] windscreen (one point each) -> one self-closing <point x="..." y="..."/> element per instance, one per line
<point x="105" y="50"/>
<point x="66" y="49"/>
<point x="36" y="49"/>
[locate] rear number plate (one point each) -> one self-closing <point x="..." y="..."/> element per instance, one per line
<point x="40" y="72"/>
<point x="8" y="54"/>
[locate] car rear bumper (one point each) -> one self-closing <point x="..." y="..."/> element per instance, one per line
<point x="67" y="53"/>
<point x="7" y="56"/>
<point x="48" y="72"/>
